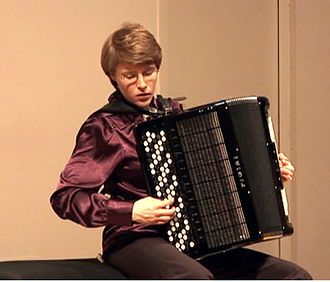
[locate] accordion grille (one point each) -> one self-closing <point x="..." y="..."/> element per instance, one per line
<point x="212" y="180"/>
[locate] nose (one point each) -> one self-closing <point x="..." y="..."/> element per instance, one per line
<point x="141" y="84"/>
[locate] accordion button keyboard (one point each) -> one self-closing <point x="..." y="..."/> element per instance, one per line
<point x="167" y="184"/>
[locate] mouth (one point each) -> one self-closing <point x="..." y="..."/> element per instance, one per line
<point x="144" y="95"/>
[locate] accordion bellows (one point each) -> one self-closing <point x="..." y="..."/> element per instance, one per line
<point x="219" y="161"/>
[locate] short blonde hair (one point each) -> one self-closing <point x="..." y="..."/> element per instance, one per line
<point x="133" y="44"/>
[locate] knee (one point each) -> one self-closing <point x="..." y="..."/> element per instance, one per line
<point x="199" y="273"/>
<point x="299" y="273"/>
<point x="292" y="271"/>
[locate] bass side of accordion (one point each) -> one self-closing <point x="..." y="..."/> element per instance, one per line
<point x="219" y="161"/>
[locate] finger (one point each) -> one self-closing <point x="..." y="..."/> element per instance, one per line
<point x="160" y="219"/>
<point x="159" y="204"/>
<point x="288" y="166"/>
<point x="285" y="161"/>
<point x="286" y="170"/>
<point x="165" y="212"/>
<point x="286" y="178"/>
<point x="163" y="220"/>
<point x="168" y="202"/>
<point x="281" y="156"/>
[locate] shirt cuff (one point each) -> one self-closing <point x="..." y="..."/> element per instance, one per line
<point x="120" y="212"/>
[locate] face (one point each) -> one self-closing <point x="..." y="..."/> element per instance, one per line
<point x="137" y="83"/>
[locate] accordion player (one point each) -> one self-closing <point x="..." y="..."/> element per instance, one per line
<point x="219" y="162"/>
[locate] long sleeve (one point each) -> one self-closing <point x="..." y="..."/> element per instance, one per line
<point x="97" y="153"/>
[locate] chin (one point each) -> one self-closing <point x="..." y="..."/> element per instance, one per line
<point x="142" y="104"/>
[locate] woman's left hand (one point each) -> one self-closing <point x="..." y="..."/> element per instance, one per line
<point x="286" y="167"/>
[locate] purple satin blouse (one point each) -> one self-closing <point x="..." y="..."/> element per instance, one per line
<point x="104" y="155"/>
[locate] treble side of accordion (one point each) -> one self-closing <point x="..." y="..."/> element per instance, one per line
<point x="219" y="162"/>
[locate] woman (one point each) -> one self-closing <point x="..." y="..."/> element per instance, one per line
<point x="105" y="156"/>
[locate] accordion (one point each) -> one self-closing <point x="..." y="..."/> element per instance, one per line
<point x="219" y="162"/>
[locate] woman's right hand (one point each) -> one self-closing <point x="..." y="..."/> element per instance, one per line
<point x="153" y="211"/>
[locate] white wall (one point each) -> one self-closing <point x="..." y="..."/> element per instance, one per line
<point x="51" y="80"/>
<point x="310" y="86"/>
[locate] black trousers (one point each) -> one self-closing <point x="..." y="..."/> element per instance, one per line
<point x="154" y="258"/>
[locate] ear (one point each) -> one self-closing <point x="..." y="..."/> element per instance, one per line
<point x="112" y="77"/>
<point x="113" y="82"/>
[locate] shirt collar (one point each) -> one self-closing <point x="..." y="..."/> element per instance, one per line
<point x="118" y="104"/>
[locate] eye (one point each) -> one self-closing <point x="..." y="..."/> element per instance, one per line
<point x="130" y="76"/>
<point x="149" y="72"/>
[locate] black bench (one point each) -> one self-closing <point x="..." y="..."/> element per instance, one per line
<point x="69" y="269"/>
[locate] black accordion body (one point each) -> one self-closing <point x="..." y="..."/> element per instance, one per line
<point x="219" y="161"/>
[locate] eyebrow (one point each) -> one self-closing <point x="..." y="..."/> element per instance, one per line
<point x="149" y="67"/>
<point x="135" y="72"/>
